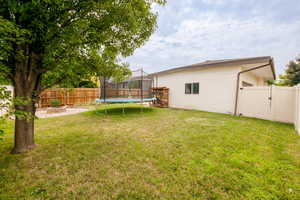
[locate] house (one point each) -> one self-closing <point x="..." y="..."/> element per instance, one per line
<point x="214" y="85"/>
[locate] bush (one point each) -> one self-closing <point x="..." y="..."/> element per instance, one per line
<point x="55" y="102"/>
<point x="87" y="84"/>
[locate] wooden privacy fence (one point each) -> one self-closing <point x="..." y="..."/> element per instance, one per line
<point x="69" y="97"/>
<point x="127" y="93"/>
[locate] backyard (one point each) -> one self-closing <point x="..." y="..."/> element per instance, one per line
<point x="154" y="154"/>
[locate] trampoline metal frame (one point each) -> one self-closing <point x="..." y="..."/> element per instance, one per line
<point x="125" y="100"/>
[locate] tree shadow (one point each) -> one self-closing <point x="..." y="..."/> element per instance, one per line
<point x="122" y="111"/>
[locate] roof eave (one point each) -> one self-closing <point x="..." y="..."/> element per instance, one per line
<point x="224" y="63"/>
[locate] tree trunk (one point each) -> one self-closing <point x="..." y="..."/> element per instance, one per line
<point x="24" y="129"/>
<point x="27" y="83"/>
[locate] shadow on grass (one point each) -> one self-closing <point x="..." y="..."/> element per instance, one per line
<point x="122" y="111"/>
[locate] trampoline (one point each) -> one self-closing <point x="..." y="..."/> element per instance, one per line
<point x="136" y="88"/>
<point x="125" y="100"/>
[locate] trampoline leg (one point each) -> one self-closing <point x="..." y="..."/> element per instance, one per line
<point x="123" y="109"/>
<point x="105" y="109"/>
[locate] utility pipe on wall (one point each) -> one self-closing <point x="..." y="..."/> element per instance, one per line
<point x="238" y="82"/>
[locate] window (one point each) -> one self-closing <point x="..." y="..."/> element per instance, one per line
<point x="192" y="88"/>
<point x="195" y="88"/>
<point x="188" y="88"/>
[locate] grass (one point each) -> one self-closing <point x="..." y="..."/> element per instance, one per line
<point x="157" y="154"/>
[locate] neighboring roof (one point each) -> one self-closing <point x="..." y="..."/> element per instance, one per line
<point x="223" y="63"/>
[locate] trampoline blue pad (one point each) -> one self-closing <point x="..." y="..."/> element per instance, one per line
<point x="125" y="100"/>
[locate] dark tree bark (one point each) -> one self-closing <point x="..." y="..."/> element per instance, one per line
<point x="27" y="81"/>
<point x="24" y="124"/>
<point x="24" y="132"/>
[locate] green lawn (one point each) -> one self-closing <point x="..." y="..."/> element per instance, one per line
<point x="157" y="154"/>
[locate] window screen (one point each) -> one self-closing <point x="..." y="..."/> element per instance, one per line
<point x="188" y="88"/>
<point x="195" y="88"/>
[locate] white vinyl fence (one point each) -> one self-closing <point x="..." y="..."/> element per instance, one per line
<point x="271" y="103"/>
<point x="297" y="109"/>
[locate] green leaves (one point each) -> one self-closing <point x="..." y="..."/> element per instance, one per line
<point x="46" y="43"/>
<point x="68" y="35"/>
<point x="9" y="105"/>
<point x="291" y="76"/>
<point x="5" y="98"/>
<point x="11" y="35"/>
<point x="5" y="102"/>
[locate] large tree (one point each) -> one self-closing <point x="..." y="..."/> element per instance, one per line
<point x="44" y="42"/>
<point x="291" y="75"/>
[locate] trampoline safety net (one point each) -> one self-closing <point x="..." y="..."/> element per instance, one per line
<point x="136" y="88"/>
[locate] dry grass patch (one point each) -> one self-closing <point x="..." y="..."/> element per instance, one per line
<point x="156" y="154"/>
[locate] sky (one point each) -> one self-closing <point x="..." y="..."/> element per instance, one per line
<point x="193" y="31"/>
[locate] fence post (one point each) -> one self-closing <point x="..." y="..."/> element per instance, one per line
<point x="297" y="108"/>
<point x="272" y="99"/>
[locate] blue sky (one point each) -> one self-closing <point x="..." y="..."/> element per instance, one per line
<point x="192" y="31"/>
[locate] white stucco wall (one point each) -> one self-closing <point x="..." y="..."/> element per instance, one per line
<point x="249" y="78"/>
<point x="252" y="79"/>
<point x="216" y="90"/>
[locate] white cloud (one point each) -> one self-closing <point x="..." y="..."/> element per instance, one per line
<point x="193" y="37"/>
<point x="220" y="2"/>
<point x="217" y="2"/>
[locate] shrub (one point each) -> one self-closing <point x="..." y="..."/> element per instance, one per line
<point x="55" y="102"/>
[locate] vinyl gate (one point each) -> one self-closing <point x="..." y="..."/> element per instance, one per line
<point x="271" y="103"/>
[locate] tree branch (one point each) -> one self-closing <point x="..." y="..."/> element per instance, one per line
<point x="54" y="83"/>
<point x="7" y="75"/>
<point x="76" y="15"/>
